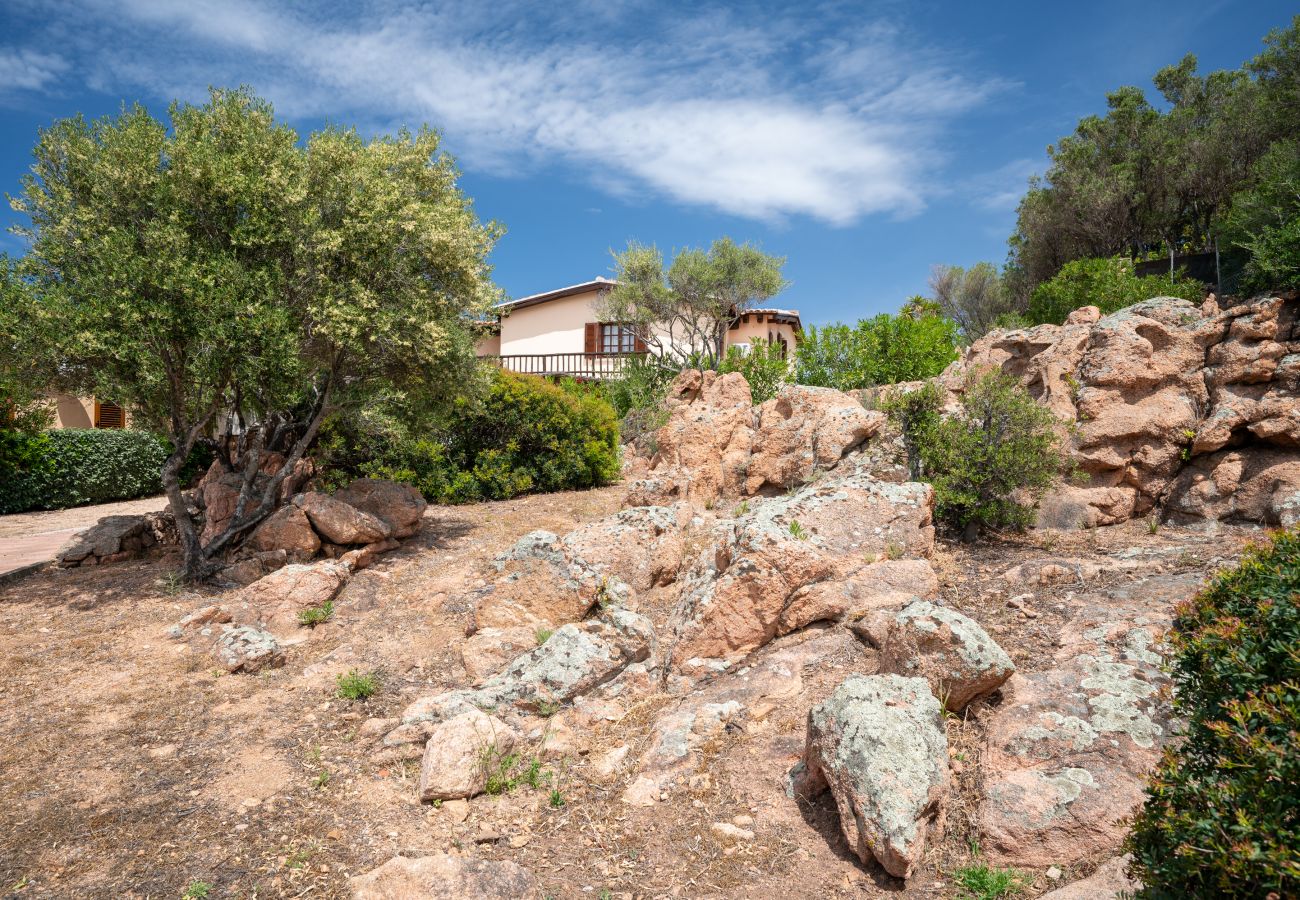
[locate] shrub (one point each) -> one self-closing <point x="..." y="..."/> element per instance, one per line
<point x="1108" y="284"/>
<point x="1265" y="220"/>
<point x="991" y="461"/>
<point x="357" y="685"/>
<point x="1222" y="814"/>
<point x="764" y="365"/>
<point x="73" y="467"/>
<point x="523" y="434"/>
<point x="882" y="350"/>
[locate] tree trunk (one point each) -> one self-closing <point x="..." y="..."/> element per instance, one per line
<point x="194" y="562"/>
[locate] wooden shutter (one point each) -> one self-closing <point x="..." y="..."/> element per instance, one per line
<point x="591" y="337"/>
<point x="639" y="346"/>
<point x="109" y="415"/>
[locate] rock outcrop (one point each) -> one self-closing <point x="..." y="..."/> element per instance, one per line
<point x="878" y="744"/>
<point x="718" y="446"/>
<point x="1070" y="746"/>
<point x="794" y="560"/>
<point x="117" y="538"/>
<point x="1188" y="411"/>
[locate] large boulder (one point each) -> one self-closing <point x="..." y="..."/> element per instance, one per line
<point x="445" y="876"/>
<point x="1256" y="486"/>
<point x="1070" y="746"/>
<point x="643" y="546"/>
<point x="878" y="743"/>
<point x="949" y="650"/>
<point x="539" y="582"/>
<point x="400" y="506"/>
<point x="574" y="660"/>
<point x="804" y="430"/>
<point x="286" y="529"/>
<point x="341" y="523"/>
<point x="274" y="601"/>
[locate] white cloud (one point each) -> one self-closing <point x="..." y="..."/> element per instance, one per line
<point x="1001" y="189"/>
<point x="28" y="70"/>
<point x="787" y="119"/>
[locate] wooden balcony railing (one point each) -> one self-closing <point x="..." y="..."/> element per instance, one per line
<point x="585" y="366"/>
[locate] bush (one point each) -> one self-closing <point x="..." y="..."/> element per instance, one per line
<point x="1265" y="220"/>
<point x="764" y="365"/>
<point x="991" y="461"/>
<point x="882" y="350"/>
<point x="1222" y="814"/>
<point x="524" y="434"/>
<point x="73" y="467"/>
<point x="1108" y="284"/>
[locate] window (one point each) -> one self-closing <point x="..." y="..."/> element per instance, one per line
<point x="109" y="415"/>
<point x="616" y="338"/>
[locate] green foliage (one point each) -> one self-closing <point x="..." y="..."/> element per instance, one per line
<point x="557" y="799"/>
<point x="1108" y="284"/>
<point x="1143" y="180"/>
<point x="694" y="300"/>
<point x="764" y="365"/>
<point x="316" y="615"/>
<point x="980" y="881"/>
<point x="357" y="685"/>
<point x="916" y="413"/>
<point x="974" y="298"/>
<point x="523" y="434"/>
<point x="197" y="890"/>
<point x="542" y="635"/>
<point x="882" y="350"/>
<point x="1265" y="219"/>
<point x="991" y="461"/>
<point x="73" y="467"/>
<point x="797" y="531"/>
<point x="1222" y="814"/>
<point x="216" y="263"/>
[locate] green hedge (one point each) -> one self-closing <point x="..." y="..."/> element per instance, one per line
<point x="1110" y="284"/>
<point x="73" y="467"/>
<point x="525" y="434"/>
<point x="1222" y="815"/>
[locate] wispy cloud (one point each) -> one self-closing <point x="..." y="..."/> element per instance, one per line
<point x="787" y="119"/>
<point x="1001" y="189"/>
<point x="23" y="69"/>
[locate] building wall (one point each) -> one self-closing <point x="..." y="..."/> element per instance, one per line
<point x="759" y="325"/>
<point x="489" y="345"/>
<point x="78" y="412"/>
<point x="555" y="326"/>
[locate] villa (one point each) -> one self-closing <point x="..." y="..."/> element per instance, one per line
<point x="560" y="332"/>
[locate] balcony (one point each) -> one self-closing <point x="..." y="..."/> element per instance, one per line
<point x="583" y="366"/>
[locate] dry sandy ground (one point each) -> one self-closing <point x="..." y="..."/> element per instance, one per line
<point x="131" y="767"/>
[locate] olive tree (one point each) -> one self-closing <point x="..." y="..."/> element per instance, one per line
<point x="681" y="314"/>
<point x="232" y="284"/>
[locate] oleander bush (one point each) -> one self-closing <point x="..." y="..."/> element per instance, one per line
<point x="1222" y="812"/>
<point x="74" y="467"/>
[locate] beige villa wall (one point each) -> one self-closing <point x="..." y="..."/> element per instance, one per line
<point x="73" y="412"/>
<point x="488" y="346"/>
<point x="767" y="330"/>
<point x="555" y="326"/>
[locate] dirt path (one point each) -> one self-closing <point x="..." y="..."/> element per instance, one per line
<point x="34" y="537"/>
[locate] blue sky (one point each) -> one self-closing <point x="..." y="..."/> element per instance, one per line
<point x="865" y="142"/>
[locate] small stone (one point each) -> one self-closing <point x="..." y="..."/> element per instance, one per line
<point x="518" y="841"/>
<point x="725" y="831"/>
<point x="1053" y="874"/>
<point x="166" y="751"/>
<point x="487" y="836"/>
<point x="742" y="821"/>
<point x="455" y="811"/>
